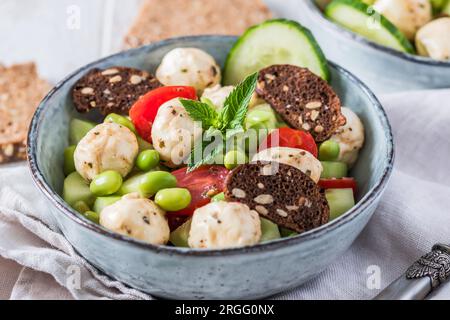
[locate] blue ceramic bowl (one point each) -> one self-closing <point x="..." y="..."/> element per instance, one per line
<point x="383" y="69"/>
<point x="250" y="272"/>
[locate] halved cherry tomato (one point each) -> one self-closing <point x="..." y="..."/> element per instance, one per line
<point x="144" y="111"/>
<point x="203" y="183"/>
<point x="291" y="138"/>
<point x="344" y="183"/>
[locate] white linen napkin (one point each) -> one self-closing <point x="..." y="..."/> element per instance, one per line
<point x="413" y="215"/>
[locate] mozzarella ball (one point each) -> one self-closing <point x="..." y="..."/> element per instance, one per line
<point x="189" y="67"/>
<point x="174" y="133"/>
<point x="433" y="39"/>
<point x="108" y="146"/>
<point x="350" y="137"/>
<point x="217" y="95"/>
<point x="298" y="158"/>
<point x="137" y="218"/>
<point x="223" y="224"/>
<point x="407" y="15"/>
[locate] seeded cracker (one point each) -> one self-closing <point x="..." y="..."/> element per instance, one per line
<point x="162" y="19"/>
<point x="21" y="90"/>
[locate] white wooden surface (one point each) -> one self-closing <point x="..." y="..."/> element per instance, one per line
<point x="47" y="31"/>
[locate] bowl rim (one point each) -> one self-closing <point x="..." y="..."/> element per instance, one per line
<point x="318" y="14"/>
<point x="70" y="213"/>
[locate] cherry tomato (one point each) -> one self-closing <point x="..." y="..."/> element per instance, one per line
<point x="291" y="138"/>
<point x="203" y="183"/>
<point x="144" y="111"/>
<point x="344" y="183"/>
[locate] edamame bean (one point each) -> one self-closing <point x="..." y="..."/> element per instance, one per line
<point x="173" y="199"/>
<point x="234" y="158"/>
<point x="113" y="117"/>
<point x="149" y="183"/>
<point x="106" y="183"/>
<point x="329" y="150"/>
<point x="218" y="197"/>
<point x="69" y="163"/>
<point x="81" y="206"/>
<point x="147" y="160"/>
<point x="93" y="216"/>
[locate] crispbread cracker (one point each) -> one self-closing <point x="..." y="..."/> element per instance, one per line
<point x="21" y="90"/>
<point x="161" y="19"/>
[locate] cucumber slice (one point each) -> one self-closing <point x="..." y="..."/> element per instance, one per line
<point x="362" y="19"/>
<point x="276" y="41"/>
<point x="334" y="169"/>
<point x="286" y="233"/>
<point x="340" y="201"/>
<point x="446" y="9"/>
<point x="102" y="202"/>
<point x="77" y="189"/>
<point x="179" y="237"/>
<point x="78" y="129"/>
<point x="269" y="230"/>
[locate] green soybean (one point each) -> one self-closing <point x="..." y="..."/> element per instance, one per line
<point x="78" y="129"/>
<point x="179" y="237"/>
<point x="115" y="118"/>
<point x="69" y="163"/>
<point x="147" y="160"/>
<point x="81" y="206"/>
<point x="234" y="158"/>
<point x="106" y="183"/>
<point x="218" y="197"/>
<point x="148" y="184"/>
<point x="93" y="216"/>
<point x="329" y="151"/>
<point x="173" y="199"/>
<point x="334" y="169"/>
<point x="77" y="189"/>
<point x="103" y="202"/>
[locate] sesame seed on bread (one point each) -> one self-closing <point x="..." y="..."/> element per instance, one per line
<point x="162" y="19"/>
<point x="280" y="193"/>
<point x="304" y="100"/>
<point x="110" y="90"/>
<point x="21" y="91"/>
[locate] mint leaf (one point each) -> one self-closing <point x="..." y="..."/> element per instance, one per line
<point x="236" y="104"/>
<point x="200" y="111"/>
<point x="206" y="158"/>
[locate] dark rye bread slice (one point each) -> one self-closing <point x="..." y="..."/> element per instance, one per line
<point x="114" y="89"/>
<point x="304" y="100"/>
<point x="280" y="193"/>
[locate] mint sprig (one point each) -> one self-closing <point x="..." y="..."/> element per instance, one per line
<point x="231" y="117"/>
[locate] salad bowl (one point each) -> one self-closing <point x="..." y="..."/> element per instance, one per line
<point x="182" y="273"/>
<point x="383" y="69"/>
